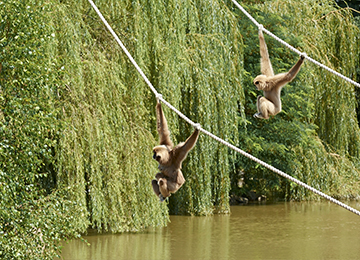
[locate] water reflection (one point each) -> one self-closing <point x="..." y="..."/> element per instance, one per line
<point x="270" y="231"/>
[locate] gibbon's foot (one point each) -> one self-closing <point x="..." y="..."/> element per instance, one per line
<point x="155" y="187"/>
<point x="161" y="197"/>
<point x="257" y="115"/>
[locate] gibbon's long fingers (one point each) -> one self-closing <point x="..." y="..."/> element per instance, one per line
<point x="158" y="97"/>
<point x="303" y="55"/>
<point x="197" y="126"/>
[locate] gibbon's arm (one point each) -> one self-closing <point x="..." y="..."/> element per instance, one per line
<point x="162" y="127"/>
<point x="281" y="79"/>
<point x="183" y="149"/>
<point x="266" y="68"/>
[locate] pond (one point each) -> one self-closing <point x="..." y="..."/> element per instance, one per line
<point x="290" y="230"/>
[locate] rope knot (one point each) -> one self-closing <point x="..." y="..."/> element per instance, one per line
<point x="303" y="55"/>
<point x="197" y="126"/>
<point x="261" y="27"/>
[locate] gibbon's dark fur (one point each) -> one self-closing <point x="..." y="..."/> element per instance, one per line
<point x="271" y="85"/>
<point x="170" y="177"/>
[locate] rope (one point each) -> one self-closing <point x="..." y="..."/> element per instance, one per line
<point x="197" y="126"/>
<point x="292" y="48"/>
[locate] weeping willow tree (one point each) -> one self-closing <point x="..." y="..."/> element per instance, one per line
<point x="104" y="151"/>
<point x="316" y="137"/>
<point x="192" y="53"/>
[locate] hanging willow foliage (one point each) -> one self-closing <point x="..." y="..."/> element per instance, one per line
<point x="191" y="52"/>
<point x="105" y="149"/>
<point x="34" y="214"/>
<point x="207" y="67"/>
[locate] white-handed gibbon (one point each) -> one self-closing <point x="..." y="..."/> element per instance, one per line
<point x="271" y="85"/>
<point x="170" y="177"/>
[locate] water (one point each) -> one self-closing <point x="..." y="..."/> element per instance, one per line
<point x="269" y="231"/>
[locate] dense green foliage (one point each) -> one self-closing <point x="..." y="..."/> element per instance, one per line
<point x="316" y="137"/>
<point x="77" y="122"/>
<point x="34" y="215"/>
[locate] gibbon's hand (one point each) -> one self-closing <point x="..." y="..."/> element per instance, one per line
<point x="303" y="55"/>
<point x="197" y="126"/>
<point x="158" y="97"/>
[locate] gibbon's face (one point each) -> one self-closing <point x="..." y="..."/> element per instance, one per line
<point x="260" y="82"/>
<point x="161" y="154"/>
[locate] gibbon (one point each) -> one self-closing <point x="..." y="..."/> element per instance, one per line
<point x="170" y="177"/>
<point x="271" y="85"/>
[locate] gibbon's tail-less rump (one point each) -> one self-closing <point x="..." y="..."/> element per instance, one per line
<point x="170" y="177"/>
<point x="271" y="84"/>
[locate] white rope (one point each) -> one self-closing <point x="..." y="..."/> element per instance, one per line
<point x="124" y="49"/>
<point x="198" y="126"/>
<point x="260" y="26"/>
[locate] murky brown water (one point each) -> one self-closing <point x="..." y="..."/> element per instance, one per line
<point x="271" y="231"/>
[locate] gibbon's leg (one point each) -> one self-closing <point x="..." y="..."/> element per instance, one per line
<point x="159" y="175"/>
<point x="156" y="187"/>
<point x="265" y="108"/>
<point x="173" y="186"/>
<point x="163" y="186"/>
<point x="258" y="107"/>
<point x="262" y="108"/>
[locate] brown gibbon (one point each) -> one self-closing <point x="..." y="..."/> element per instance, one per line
<point x="271" y="84"/>
<point x="170" y="177"/>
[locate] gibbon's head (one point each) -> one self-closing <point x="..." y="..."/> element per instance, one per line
<point x="161" y="154"/>
<point x="260" y="82"/>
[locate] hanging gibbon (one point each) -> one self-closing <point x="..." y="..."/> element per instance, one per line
<point x="271" y="85"/>
<point x="170" y="177"/>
